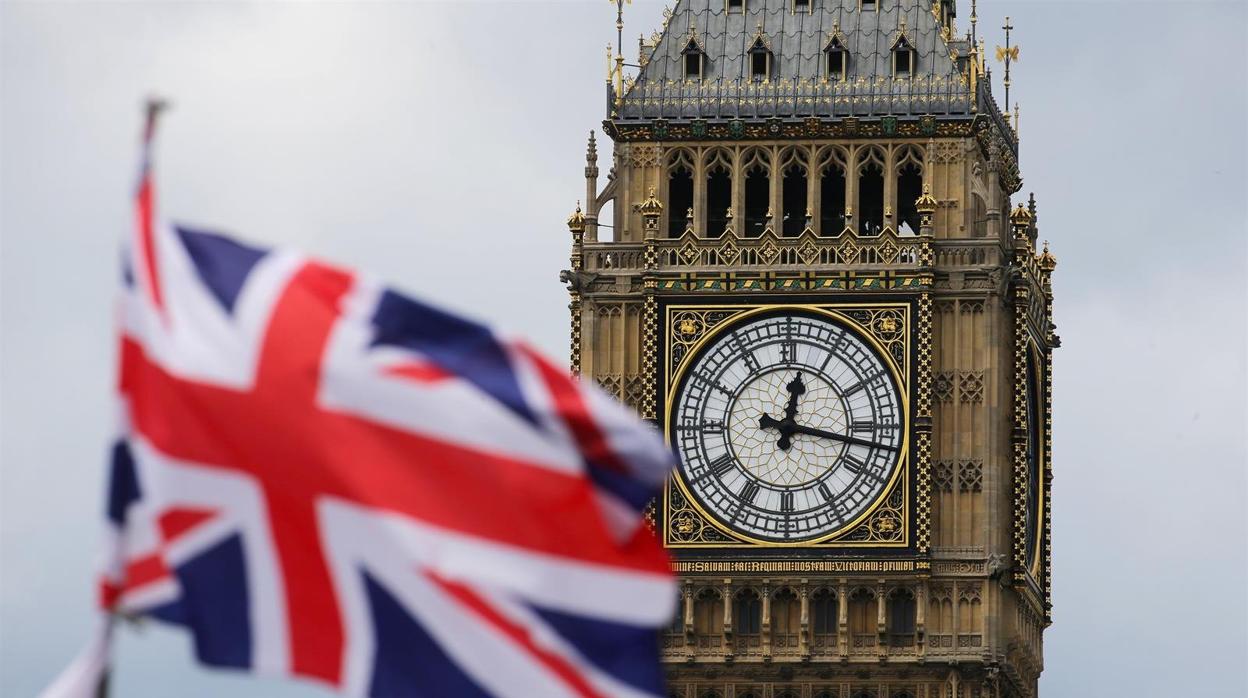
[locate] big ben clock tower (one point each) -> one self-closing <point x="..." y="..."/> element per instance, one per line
<point x="806" y="269"/>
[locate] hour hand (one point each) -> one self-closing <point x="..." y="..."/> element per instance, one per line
<point x="796" y="388"/>
<point x="785" y="428"/>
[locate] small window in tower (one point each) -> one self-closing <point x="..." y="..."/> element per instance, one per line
<point x="836" y="65"/>
<point x="758" y="65"/>
<point x="868" y="5"/>
<point x="903" y="58"/>
<point x="801" y="5"/>
<point x="736" y="5"/>
<point x="695" y="59"/>
<point x="903" y="63"/>
<point x="693" y="65"/>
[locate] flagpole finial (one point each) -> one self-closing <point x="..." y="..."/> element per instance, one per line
<point x="152" y="108"/>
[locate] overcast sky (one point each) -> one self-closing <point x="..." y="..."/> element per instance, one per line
<point x="441" y="146"/>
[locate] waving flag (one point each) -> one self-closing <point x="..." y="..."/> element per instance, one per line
<point x="320" y="477"/>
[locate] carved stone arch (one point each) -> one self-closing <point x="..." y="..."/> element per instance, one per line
<point x="867" y="154"/>
<point x="831" y="154"/>
<point x="717" y="156"/>
<point x="756" y="156"/>
<point x="910" y="153"/>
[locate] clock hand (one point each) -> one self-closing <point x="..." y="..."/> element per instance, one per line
<point x="796" y="389"/>
<point x="811" y="431"/>
<point x="786" y="429"/>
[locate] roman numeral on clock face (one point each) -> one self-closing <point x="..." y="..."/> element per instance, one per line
<point x="749" y="492"/>
<point x="855" y="466"/>
<point x="786" y="502"/>
<point x="861" y="384"/>
<point x="720" y="466"/>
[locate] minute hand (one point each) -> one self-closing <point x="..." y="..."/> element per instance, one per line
<point x="811" y="431"/>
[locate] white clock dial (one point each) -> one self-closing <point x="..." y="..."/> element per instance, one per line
<point x="789" y="425"/>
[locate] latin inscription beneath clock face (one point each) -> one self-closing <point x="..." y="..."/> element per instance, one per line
<point x="788" y="426"/>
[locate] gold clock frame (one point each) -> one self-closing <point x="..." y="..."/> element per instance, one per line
<point x="888" y="324"/>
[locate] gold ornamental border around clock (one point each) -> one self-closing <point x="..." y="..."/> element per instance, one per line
<point x="887" y="327"/>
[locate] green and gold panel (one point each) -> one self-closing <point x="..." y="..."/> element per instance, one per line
<point x="793" y="422"/>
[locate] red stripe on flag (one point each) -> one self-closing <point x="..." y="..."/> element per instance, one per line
<point x="570" y="404"/>
<point x="146" y="246"/>
<point x="520" y="635"/>
<point x="175" y="522"/>
<point x="419" y="372"/>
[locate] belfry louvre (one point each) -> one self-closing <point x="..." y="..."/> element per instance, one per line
<point x="805" y="267"/>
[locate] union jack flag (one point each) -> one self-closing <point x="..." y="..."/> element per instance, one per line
<point x="320" y="477"/>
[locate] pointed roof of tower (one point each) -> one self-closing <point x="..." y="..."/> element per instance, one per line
<point x="797" y="39"/>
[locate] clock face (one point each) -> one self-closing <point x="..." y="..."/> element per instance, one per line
<point x="1035" y="501"/>
<point x="789" y="425"/>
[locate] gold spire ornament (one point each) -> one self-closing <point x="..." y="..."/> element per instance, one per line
<point x="1047" y="261"/>
<point x="1020" y="216"/>
<point x="651" y="206"/>
<point x="1007" y="55"/>
<point x="576" y="221"/>
<point x="925" y="205"/>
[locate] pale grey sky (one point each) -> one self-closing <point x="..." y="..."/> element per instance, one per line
<point x="440" y="146"/>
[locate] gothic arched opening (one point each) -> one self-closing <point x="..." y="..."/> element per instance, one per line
<point x="679" y="199"/>
<point x="795" y="204"/>
<point x="748" y="613"/>
<point x="832" y="200"/>
<point x="901" y="617"/>
<point x="871" y="197"/>
<point x="786" y="619"/>
<point x="708" y="619"/>
<point x="718" y="199"/>
<point x="862" y="616"/>
<point x="909" y="189"/>
<point x="757" y="200"/>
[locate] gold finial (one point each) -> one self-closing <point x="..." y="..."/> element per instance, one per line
<point x="651" y="207"/>
<point x="1007" y="55"/>
<point x="728" y="214"/>
<point x="974" y="20"/>
<point x="576" y="221"/>
<point x="926" y="203"/>
<point x="1047" y="261"/>
<point x="1020" y="216"/>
